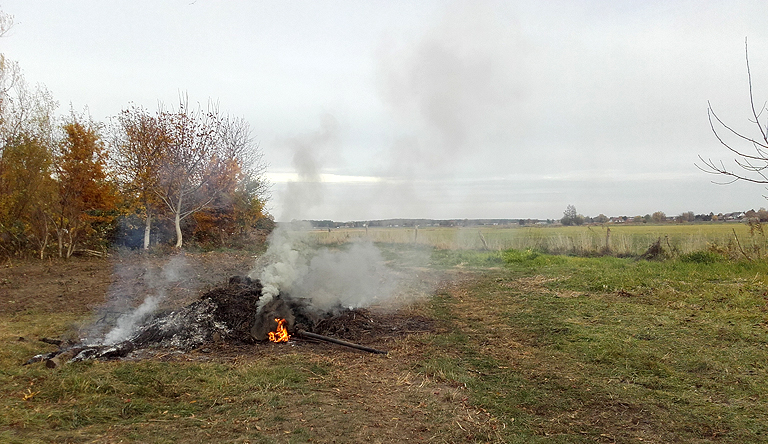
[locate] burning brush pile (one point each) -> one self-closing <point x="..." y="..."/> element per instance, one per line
<point x="318" y="297"/>
<point x="230" y="314"/>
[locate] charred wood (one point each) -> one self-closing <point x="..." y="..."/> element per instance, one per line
<point x="306" y="334"/>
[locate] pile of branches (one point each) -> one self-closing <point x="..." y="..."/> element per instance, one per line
<point x="228" y="314"/>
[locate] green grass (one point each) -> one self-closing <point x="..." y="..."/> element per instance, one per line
<point x="531" y="348"/>
<point x="567" y="349"/>
<point x="42" y="405"/>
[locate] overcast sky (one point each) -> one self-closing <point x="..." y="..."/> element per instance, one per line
<point x="435" y="109"/>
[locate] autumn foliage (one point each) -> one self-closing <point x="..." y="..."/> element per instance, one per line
<point x="87" y="199"/>
<point x="74" y="186"/>
<point x="194" y="167"/>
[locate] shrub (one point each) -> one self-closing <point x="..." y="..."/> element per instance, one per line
<point x="519" y="256"/>
<point x="531" y="258"/>
<point x="702" y="257"/>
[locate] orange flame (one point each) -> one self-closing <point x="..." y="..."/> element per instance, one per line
<point x="281" y="333"/>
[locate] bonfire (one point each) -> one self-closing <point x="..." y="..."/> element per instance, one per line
<point x="231" y="313"/>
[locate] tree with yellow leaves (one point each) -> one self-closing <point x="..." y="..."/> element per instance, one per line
<point x="87" y="199"/>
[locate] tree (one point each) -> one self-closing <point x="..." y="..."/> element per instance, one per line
<point x="688" y="216"/>
<point x="6" y="23"/>
<point x="137" y="150"/>
<point x="9" y="71"/>
<point x="189" y="163"/>
<point x="26" y="149"/>
<point x="237" y="208"/>
<point x="205" y="155"/>
<point x="27" y="193"/>
<point x="659" y="217"/>
<point x="242" y="195"/>
<point x="750" y="162"/>
<point x="86" y="197"/>
<point x="24" y="110"/>
<point x="601" y="218"/>
<point x="571" y="217"/>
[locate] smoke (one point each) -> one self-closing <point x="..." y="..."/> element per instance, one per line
<point x="457" y="94"/>
<point x="325" y="279"/>
<point x="352" y="278"/>
<point x="455" y="90"/>
<point x="460" y="84"/>
<point x="286" y="258"/>
<point x="309" y="154"/>
<point x="348" y="278"/>
<point x="125" y="325"/>
<point x="320" y="279"/>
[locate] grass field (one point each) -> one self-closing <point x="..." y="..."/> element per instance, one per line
<point x="531" y="348"/>
<point x="613" y="350"/>
<point x="622" y="240"/>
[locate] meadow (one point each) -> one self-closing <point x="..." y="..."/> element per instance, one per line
<point x="529" y="347"/>
<point x="616" y="239"/>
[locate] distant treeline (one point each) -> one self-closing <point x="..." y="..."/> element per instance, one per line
<point x="393" y="223"/>
<point x="657" y="217"/>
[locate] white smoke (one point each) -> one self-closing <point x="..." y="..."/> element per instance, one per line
<point x="310" y="153"/>
<point x="347" y="278"/>
<point x="353" y="278"/>
<point x="286" y="259"/>
<point x="127" y="323"/>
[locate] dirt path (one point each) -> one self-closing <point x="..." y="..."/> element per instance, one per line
<point x="80" y="285"/>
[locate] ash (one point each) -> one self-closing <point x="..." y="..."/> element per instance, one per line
<point x="224" y="313"/>
<point x="184" y="329"/>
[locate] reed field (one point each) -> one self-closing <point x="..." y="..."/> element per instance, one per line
<point x="617" y="240"/>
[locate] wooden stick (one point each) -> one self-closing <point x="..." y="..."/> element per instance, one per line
<point x="306" y="334"/>
<point x="739" y="244"/>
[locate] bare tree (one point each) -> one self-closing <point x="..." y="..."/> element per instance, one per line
<point x="9" y="70"/>
<point x="6" y="23"/>
<point x="137" y="149"/>
<point x="180" y="162"/>
<point x="750" y="161"/>
<point x="205" y="154"/>
<point x="187" y="161"/>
